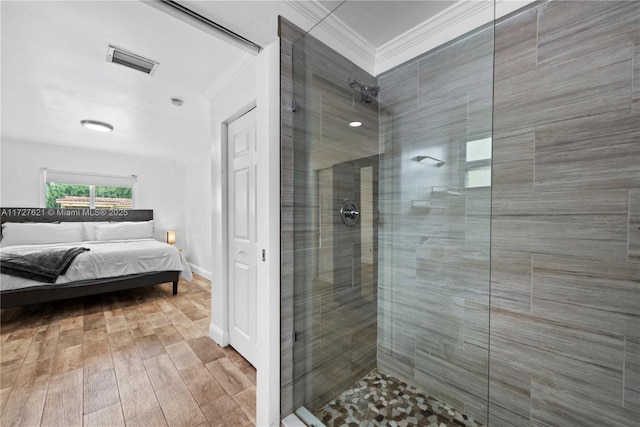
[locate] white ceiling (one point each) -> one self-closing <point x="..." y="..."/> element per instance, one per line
<point x="380" y="21"/>
<point x="55" y="73"/>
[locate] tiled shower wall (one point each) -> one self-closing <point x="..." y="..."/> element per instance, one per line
<point x="433" y="300"/>
<point x="288" y="33"/>
<point x="329" y="277"/>
<point x="565" y="222"/>
<point x="565" y="264"/>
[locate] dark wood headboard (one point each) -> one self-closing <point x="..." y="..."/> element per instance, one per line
<point x="73" y="215"/>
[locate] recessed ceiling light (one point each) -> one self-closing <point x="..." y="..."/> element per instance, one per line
<point x="355" y="124"/>
<point x="96" y="125"/>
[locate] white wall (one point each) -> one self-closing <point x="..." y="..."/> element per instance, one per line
<point x="197" y="214"/>
<point x="255" y="84"/>
<point x="161" y="183"/>
<point x="268" y="233"/>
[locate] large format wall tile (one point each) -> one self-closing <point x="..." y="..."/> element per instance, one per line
<point x="563" y="232"/>
<point x="589" y="85"/>
<point x="513" y="164"/>
<point x="511" y="280"/>
<point x="434" y="234"/>
<point x="568" y="31"/>
<point x="516" y="48"/>
<point x="565" y="290"/>
<point x="632" y="375"/>
<point x="587" y="292"/>
<point x="562" y="371"/>
<point x="634" y="225"/>
<point x="635" y="89"/>
<point x="327" y="288"/>
<point x="582" y="223"/>
<point x="599" y="154"/>
<point x="509" y="390"/>
<point x="288" y="34"/>
<point x="551" y="406"/>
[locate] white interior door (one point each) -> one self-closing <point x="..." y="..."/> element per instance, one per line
<point x="242" y="235"/>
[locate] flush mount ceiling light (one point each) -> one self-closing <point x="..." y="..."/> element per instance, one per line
<point x="355" y="124"/>
<point x="96" y="125"/>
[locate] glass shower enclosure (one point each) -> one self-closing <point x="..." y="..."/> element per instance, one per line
<point x="391" y="222"/>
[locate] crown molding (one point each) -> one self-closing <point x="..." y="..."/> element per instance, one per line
<point x="455" y="21"/>
<point x="305" y="14"/>
<point x="505" y="7"/>
<point x="452" y="22"/>
<point x="228" y="75"/>
<point x="333" y="32"/>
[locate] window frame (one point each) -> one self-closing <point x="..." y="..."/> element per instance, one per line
<point x="475" y="164"/>
<point x="90" y="179"/>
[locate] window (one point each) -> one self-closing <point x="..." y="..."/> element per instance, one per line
<point x="477" y="171"/>
<point x="85" y="190"/>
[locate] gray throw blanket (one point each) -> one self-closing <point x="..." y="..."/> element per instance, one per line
<point x="43" y="265"/>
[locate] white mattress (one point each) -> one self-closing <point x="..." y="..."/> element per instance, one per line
<point x="110" y="259"/>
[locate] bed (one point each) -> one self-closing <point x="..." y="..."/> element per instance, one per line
<point x="114" y="250"/>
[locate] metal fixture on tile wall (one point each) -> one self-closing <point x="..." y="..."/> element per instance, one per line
<point x="368" y="93"/>
<point x="439" y="163"/>
<point x="349" y="213"/>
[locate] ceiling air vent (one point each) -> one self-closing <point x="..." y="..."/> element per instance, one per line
<point x="131" y="60"/>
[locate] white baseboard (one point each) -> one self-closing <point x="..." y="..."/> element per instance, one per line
<point x="218" y="335"/>
<point x="201" y="271"/>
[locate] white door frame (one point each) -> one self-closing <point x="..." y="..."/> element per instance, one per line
<point x="219" y="326"/>
<point x="257" y="82"/>
<point x="242" y="337"/>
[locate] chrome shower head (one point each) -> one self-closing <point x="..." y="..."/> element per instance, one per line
<point x="439" y="163"/>
<point x="368" y="93"/>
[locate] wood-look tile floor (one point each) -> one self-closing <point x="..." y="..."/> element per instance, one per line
<point x="136" y="358"/>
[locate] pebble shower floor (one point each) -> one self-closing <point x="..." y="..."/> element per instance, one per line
<point x="382" y="400"/>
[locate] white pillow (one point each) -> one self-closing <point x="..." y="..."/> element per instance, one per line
<point x="89" y="229"/>
<point x="32" y="233"/>
<point x="124" y="230"/>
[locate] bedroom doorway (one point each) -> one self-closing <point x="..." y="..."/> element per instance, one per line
<point x="242" y="250"/>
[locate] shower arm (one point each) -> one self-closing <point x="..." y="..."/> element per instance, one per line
<point x="438" y="161"/>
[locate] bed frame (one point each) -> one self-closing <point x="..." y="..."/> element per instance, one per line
<point x="46" y="293"/>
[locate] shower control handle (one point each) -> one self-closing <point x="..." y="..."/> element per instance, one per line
<point x="349" y="213"/>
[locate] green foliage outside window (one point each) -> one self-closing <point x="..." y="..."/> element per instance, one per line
<point x="117" y="192"/>
<point x="59" y="191"/>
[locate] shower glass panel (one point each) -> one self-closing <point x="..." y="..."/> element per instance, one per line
<point x="435" y="210"/>
<point x="403" y="291"/>
<point x="335" y="257"/>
